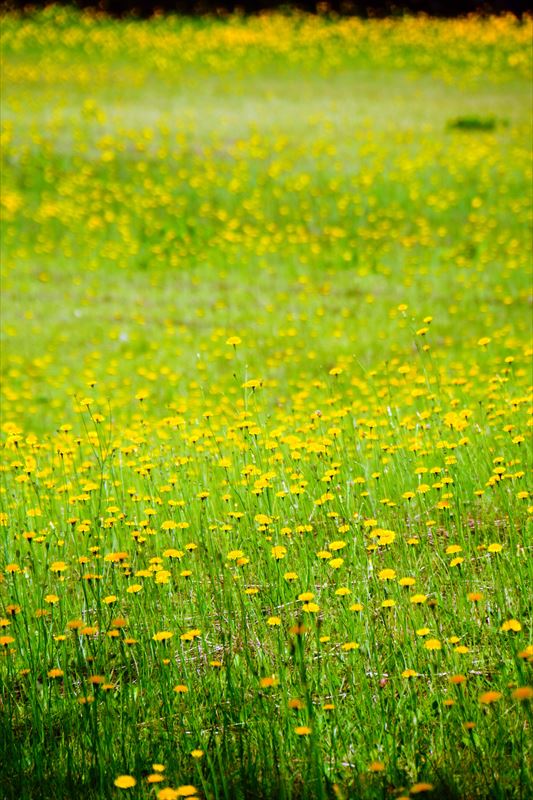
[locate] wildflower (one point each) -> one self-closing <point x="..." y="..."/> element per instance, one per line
<point x="125" y="782"/>
<point x="523" y="693"/>
<point x="268" y="682"/>
<point x="418" y="788"/>
<point x="162" y="636"/>
<point x="167" y="794"/>
<point x="511" y="625"/>
<point x="418" y="599"/>
<point x="432" y="644"/>
<point x="55" y="672"/>
<point x="302" y="730"/>
<point x="490" y="697"/>
<point x="296" y="704"/>
<point x="188" y="636"/>
<point x="457" y="679"/>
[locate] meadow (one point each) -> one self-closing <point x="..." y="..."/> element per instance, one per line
<point x="266" y="396"/>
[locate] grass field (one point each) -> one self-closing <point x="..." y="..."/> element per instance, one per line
<point x="266" y="368"/>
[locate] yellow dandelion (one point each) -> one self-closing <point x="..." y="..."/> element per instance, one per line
<point x="418" y="788"/>
<point x="511" y="625"/>
<point x="162" y="636"/>
<point x="489" y="697"/>
<point x="523" y="693"/>
<point x="125" y="782"/>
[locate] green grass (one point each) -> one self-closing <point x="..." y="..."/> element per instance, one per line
<point x="266" y="297"/>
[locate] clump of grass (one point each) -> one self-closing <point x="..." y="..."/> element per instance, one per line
<point x="473" y="122"/>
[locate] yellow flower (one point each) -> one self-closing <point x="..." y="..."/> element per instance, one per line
<point x="268" y="682"/>
<point x="55" y="673"/>
<point x="125" y="781"/>
<point x="457" y="679"/>
<point x="407" y="581"/>
<point x="523" y="693"/>
<point x="51" y="598"/>
<point x="490" y="697"/>
<point x="188" y="636"/>
<point x="511" y="625"/>
<point x="418" y="788"/>
<point x="162" y="636"/>
<point x="417" y="599"/>
<point x="167" y="794"/>
<point x="302" y="730"/>
<point x="187" y="791"/>
<point x="432" y="644"/>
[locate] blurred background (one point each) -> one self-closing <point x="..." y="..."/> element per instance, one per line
<point x="440" y="8"/>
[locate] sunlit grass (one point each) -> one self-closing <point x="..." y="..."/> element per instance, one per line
<point x="266" y="357"/>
